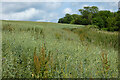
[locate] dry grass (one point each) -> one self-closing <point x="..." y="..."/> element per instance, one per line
<point x="41" y="64"/>
<point x="8" y="27"/>
<point x="104" y="60"/>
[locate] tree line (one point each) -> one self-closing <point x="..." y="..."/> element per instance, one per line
<point x="104" y="19"/>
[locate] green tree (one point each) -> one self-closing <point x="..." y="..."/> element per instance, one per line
<point x="99" y="22"/>
<point x="89" y="13"/>
<point x="77" y="19"/>
<point x="104" y="19"/>
<point x="105" y="15"/>
<point x="117" y="18"/>
<point x="67" y="19"/>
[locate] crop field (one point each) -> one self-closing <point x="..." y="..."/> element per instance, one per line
<point x="54" y="50"/>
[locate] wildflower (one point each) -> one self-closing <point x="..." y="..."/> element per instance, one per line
<point x="3" y="59"/>
<point x="32" y="75"/>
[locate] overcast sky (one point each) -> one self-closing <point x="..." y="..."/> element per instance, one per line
<point x="48" y="11"/>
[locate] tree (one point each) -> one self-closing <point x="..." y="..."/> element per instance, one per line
<point x="105" y="19"/>
<point x="117" y="18"/>
<point x="67" y="19"/>
<point x="89" y="13"/>
<point x="77" y="19"/>
<point x="99" y="22"/>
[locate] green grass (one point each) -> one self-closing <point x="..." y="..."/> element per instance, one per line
<point x="62" y="51"/>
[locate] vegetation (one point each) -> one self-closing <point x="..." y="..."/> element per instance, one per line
<point x="105" y="20"/>
<point x="52" y="50"/>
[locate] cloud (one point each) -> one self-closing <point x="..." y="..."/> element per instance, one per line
<point x="108" y="8"/>
<point x="67" y="10"/>
<point x="12" y="7"/>
<point x="52" y="5"/>
<point x="85" y="5"/>
<point x="50" y="17"/>
<point x="24" y="15"/>
<point x="17" y="7"/>
<point x="32" y="14"/>
<point x="30" y="11"/>
<point x="42" y="20"/>
<point x="46" y="11"/>
<point x="0" y="7"/>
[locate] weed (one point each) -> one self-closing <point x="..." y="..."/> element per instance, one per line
<point x="105" y="64"/>
<point x="8" y="27"/>
<point x="42" y="64"/>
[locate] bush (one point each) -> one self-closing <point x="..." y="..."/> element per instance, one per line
<point x="105" y="29"/>
<point x="92" y="26"/>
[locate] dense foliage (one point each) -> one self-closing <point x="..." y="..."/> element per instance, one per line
<point x="105" y="20"/>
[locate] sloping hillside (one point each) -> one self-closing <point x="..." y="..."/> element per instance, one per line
<point x="52" y="50"/>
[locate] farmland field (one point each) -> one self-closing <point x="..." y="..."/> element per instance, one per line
<point x="52" y="50"/>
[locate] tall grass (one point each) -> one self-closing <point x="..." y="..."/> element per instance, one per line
<point x="50" y="50"/>
<point x="97" y="37"/>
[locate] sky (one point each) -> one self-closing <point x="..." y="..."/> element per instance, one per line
<point x="47" y="11"/>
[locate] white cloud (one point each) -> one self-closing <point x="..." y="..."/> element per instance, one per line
<point x="41" y="20"/>
<point x="30" y="11"/>
<point x="85" y="5"/>
<point x="114" y="4"/>
<point x="24" y="15"/>
<point x="103" y="8"/>
<point x="67" y="10"/>
<point x="31" y="14"/>
<point x="53" y="15"/>
<point x="43" y="11"/>
<point x="53" y="5"/>
<point x="17" y="7"/>
<point x="0" y="7"/>
<point x="112" y="10"/>
<point x="75" y="4"/>
<point x="49" y="17"/>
